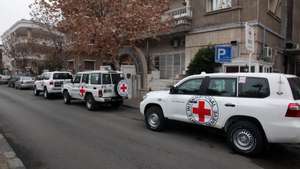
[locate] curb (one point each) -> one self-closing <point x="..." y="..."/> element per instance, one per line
<point x="13" y="161"/>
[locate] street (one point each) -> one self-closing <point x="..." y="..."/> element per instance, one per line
<point x="47" y="134"/>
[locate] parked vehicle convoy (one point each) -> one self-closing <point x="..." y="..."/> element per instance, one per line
<point x="253" y="109"/>
<point x="50" y="83"/>
<point x="95" y="87"/>
<point x="4" y="79"/>
<point x="12" y="81"/>
<point x="24" y="82"/>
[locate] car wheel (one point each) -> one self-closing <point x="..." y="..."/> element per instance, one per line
<point x="35" y="91"/>
<point x="90" y="102"/>
<point x="154" y="118"/>
<point x="67" y="97"/>
<point x="246" y="138"/>
<point x="46" y="94"/>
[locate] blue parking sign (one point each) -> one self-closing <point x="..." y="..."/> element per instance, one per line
<point x="223" y="54"/>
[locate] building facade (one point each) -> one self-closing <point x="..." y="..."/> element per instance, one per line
<point x="27" y="45"/>
<point x="158" y="63"/>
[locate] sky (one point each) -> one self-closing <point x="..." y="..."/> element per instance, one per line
<point x="12" y="11"/>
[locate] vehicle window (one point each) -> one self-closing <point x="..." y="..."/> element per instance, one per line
<point x="106" y="79"/>
<point x="26" y="78"/>
<point x="295" y="86"/>
<point x="46" y="76"/>
<point x="116" y="78"/>
<point x="60" y="76"/>
<point x="222" y="87"/>
<point x="95" y="78"/>
<point x="191" y="87"/>
<point x="77" y="78"/>
<point x="254" y="88"/>
<point x="85" y="78"/>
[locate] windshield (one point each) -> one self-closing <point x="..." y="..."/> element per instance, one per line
<point x="295" y="86"/>
<point x="62" y="76"/>
<point x="116" y="78"/>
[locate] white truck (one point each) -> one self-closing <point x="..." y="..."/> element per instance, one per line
<point x="252" y="108"/>
<point x="93" y="87"/>
<point x="50" y="83"/>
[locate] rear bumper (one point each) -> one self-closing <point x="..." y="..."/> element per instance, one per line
<point x="55" y="90"/>
<point x="109" y="99"/>
<point x="25" y="86"/>
<point x="284" y="132"/>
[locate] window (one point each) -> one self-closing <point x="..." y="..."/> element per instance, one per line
<point x="106" y="79"/>
<point x="254" y="88"/>
<point x="190" y="87"/>
<point x="274" y="6"/>
<point x="222" y="87"/>
<point x="58" y="76"/>
<point x="170" y="65"/>
<point x="295" y="86"/>
<point x="46" y="76"/>
<point x="95" y="78"/>
<point x="214" y="5"/>
<point x="77" y="78"/>
<point x="89" y="65"/>
<point x="232" y="69"/>
<point x="85" y="78"/>
<point x="116" y="78"/>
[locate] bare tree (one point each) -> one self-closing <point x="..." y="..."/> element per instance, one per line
<point x="102" y="27"/>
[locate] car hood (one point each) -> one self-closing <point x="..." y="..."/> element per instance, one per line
<point x="159" y="93"/>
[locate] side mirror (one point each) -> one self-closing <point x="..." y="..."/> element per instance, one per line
<point x="173" y="90"/>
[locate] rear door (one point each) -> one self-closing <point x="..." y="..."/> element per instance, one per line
<point x="108" y="87"/>
<point x="75" y="87"/>
<point x="220" y="103"/>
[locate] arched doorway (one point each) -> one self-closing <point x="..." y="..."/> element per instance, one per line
<point x="133" y="63"/>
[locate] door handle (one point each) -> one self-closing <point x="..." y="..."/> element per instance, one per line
<point x="94" y="88"/>
<point x="229" y="105"/>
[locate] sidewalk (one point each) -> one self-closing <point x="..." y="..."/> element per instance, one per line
<point x="8" y="158"/>
<point x="132" y="103"/>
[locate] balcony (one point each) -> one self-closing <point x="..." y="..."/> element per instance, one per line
<point x="182" y="18"/>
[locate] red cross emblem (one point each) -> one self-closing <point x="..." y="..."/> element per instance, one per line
<point x="82" y="91"/>
<point x="123" y="88"/>
<point x="201" y="111"/>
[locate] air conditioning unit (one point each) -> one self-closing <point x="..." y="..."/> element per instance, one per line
<point x="268" y="52"/>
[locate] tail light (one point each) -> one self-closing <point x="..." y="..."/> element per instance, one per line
<point x="51" y="83"/>
<point x="100" y="94"/>
<point x="293" y="110"/>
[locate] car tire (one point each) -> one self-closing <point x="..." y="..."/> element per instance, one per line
<point x="246" y="138"/>
<point x="67" y="97"/>
<point x="154" y="118"/>
<point x="90" y="102"/>
<point x="35" y="91"/>
<point x="46" y="94"/>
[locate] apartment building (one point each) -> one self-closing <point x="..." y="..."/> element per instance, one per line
<point x="27" y="45"/>
<point x="1" y="58"/>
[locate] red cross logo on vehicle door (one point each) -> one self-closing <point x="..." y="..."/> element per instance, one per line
<point x="203" y="110"/>
<point x="82" y="91"/>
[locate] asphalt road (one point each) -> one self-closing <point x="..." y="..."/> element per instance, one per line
<point x="50" y="135"/>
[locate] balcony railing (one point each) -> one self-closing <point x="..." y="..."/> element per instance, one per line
<point x="182" y="16"/>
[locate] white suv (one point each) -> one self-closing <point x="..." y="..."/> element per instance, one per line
<point x="94" y="87"/>
<point x="253" y="109"/>
<point x="51" y="83"/>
